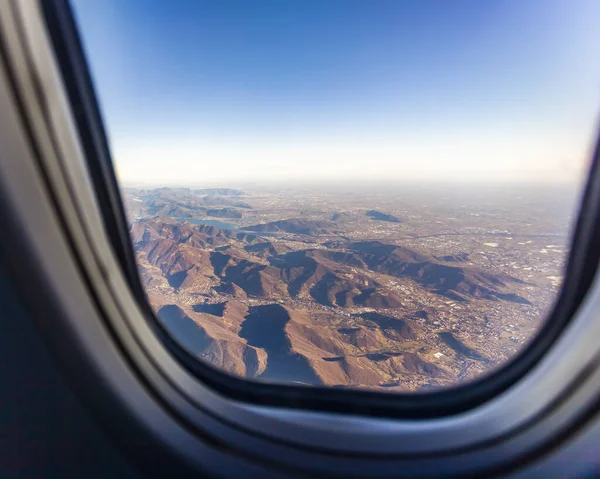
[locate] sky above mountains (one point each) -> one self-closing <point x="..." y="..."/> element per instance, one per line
<point x="226" y="91"/>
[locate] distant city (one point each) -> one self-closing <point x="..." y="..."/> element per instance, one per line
<point x="392" y="288"/>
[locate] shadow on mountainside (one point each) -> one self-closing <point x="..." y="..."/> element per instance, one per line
<point x="264" y="328"/>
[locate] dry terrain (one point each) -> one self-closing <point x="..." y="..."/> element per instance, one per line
<point x="397" y="288"/>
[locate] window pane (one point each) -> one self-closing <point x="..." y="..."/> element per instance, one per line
<point x="349" y="193"/>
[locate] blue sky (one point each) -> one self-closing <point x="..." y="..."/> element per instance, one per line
<point x="225" y="91"/>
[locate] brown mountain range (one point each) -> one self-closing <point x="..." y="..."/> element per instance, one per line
<point x="280" y="314"/>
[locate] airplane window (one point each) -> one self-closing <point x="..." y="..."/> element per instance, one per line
<point x="349" y="193"/>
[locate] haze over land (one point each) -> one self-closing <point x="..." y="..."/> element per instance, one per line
<point x="399" y="289"/>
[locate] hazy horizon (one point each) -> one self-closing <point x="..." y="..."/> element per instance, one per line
<point x="265" y="91"/>
<point x="320" y="183"/>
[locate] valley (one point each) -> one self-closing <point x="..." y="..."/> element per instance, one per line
<point x="393" y="289"/>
